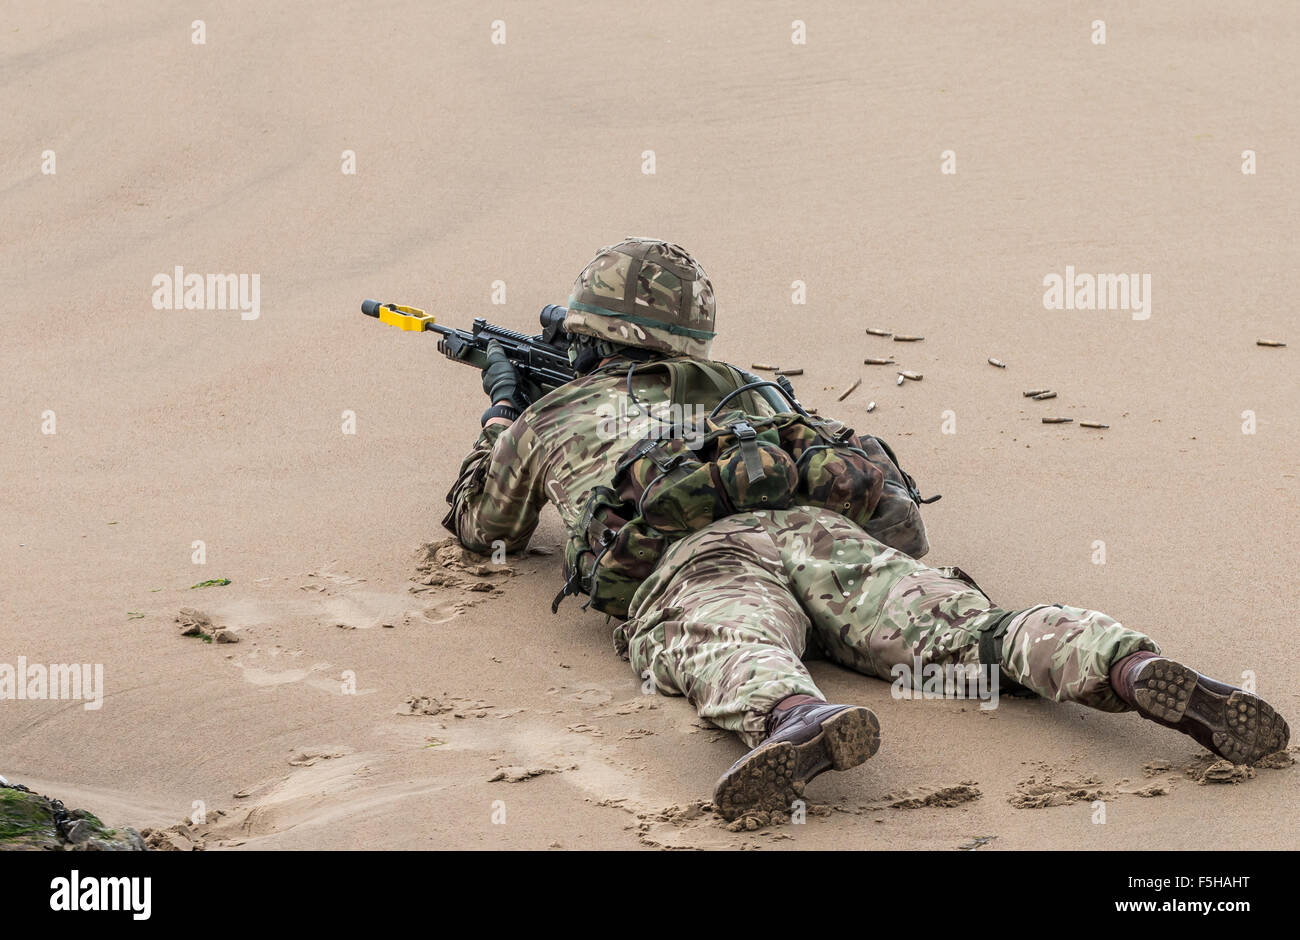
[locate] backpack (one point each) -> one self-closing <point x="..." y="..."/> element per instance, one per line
<point x="669" y="485"/>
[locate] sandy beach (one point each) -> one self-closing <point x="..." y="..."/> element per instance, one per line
<point x="303" y="451"/>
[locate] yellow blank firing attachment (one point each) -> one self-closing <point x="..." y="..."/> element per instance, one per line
<point x="405" y="318"/>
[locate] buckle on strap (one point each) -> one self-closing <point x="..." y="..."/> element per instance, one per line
<point x="635" y="453"/>
<point x="664" y="459"/>
<point x="572" y="586"/>
<point x="653" y="448"/>
<point x="748" y="442"/>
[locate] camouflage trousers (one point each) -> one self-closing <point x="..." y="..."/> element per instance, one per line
<point x="728" y="614"/>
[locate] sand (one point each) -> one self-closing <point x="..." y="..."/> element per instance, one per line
<point x="774" y="162"/>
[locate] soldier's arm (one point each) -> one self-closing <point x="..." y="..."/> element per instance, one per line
<point x="499" y="492"/>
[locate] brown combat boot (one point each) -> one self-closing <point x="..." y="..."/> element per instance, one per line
<point x="803" y="740"/>
<point x="1231" y="722"/>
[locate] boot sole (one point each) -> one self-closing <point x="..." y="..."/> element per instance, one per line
<point x="772" y="777"/>
<point x="1238" y="726"/>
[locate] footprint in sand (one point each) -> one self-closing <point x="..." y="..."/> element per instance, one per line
<point x="306" y="757"/>
<point x="342" y="605"/>
<point x="364" y="610"/>
<point x="589" y="695"/>
<point x="325" y="579"/>
<point x="442" y="613"/>
<point x="697" y="825"/>
<point x="259" y="669"/>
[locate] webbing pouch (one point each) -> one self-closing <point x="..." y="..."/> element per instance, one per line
<point x="840" y="478"/>
<point x="755" y="474"/>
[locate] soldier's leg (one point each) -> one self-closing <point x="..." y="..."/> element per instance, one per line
<point x="717" y="624"/>
<point x="874" y="609"/>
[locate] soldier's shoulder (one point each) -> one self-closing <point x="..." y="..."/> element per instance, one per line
<point x="582" y="394"/>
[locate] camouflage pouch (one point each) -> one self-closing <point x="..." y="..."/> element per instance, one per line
<point x="896" y="519"/>
<point x="669" y="485"/>
<point x="756" y="475"/>
<point x="838" y="467"/>
<point x="830" y="469"/>
<point x="737" y="466"/>
<point x="609" y="553"/>
<point x="623" y="564"/>
<point x="858" y="477"/>
<point x="842" y="479"/>
<point x="684" y="501"/>
<point x="604" y="515"/>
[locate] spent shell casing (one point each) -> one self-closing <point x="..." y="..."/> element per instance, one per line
<point x="900" y="379"/>
<point x="789" y="371"/>
<point x="997" y="362"/>
<point x="1036" y="391"/>
<point x="1043" y="396"/>
<point x="871" y="406"/>
<point x="914" y="376"/>
<point x="908" y="339"/>
<point x="763" y="366"/>
<point x="849" y="391"/>
<point x="1269" y="342"/>
<point x="1057" y="420"/>
<point x="874" y="332"/>
<point x="1092" y="424"/>
<point x="878" y="362"/>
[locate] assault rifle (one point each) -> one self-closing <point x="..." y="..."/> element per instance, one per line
<point x="542" y="361"/>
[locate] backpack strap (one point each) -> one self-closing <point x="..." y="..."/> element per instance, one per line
<point x="748" y="439"/>
<point x="716" y="380"/>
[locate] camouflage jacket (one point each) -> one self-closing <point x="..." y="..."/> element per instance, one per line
<point x="560" y="449"/>
<point x="568" y="445"/>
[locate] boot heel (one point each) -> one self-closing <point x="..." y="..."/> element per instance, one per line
<point x="1253" y="729"/>
<point x="1163" y="688"/>
<point x="852" y="737"/>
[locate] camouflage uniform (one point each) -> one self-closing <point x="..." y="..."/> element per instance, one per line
<point x="730" y="610"/>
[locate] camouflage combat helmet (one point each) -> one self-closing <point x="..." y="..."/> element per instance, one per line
<point x="645" y="293"/>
